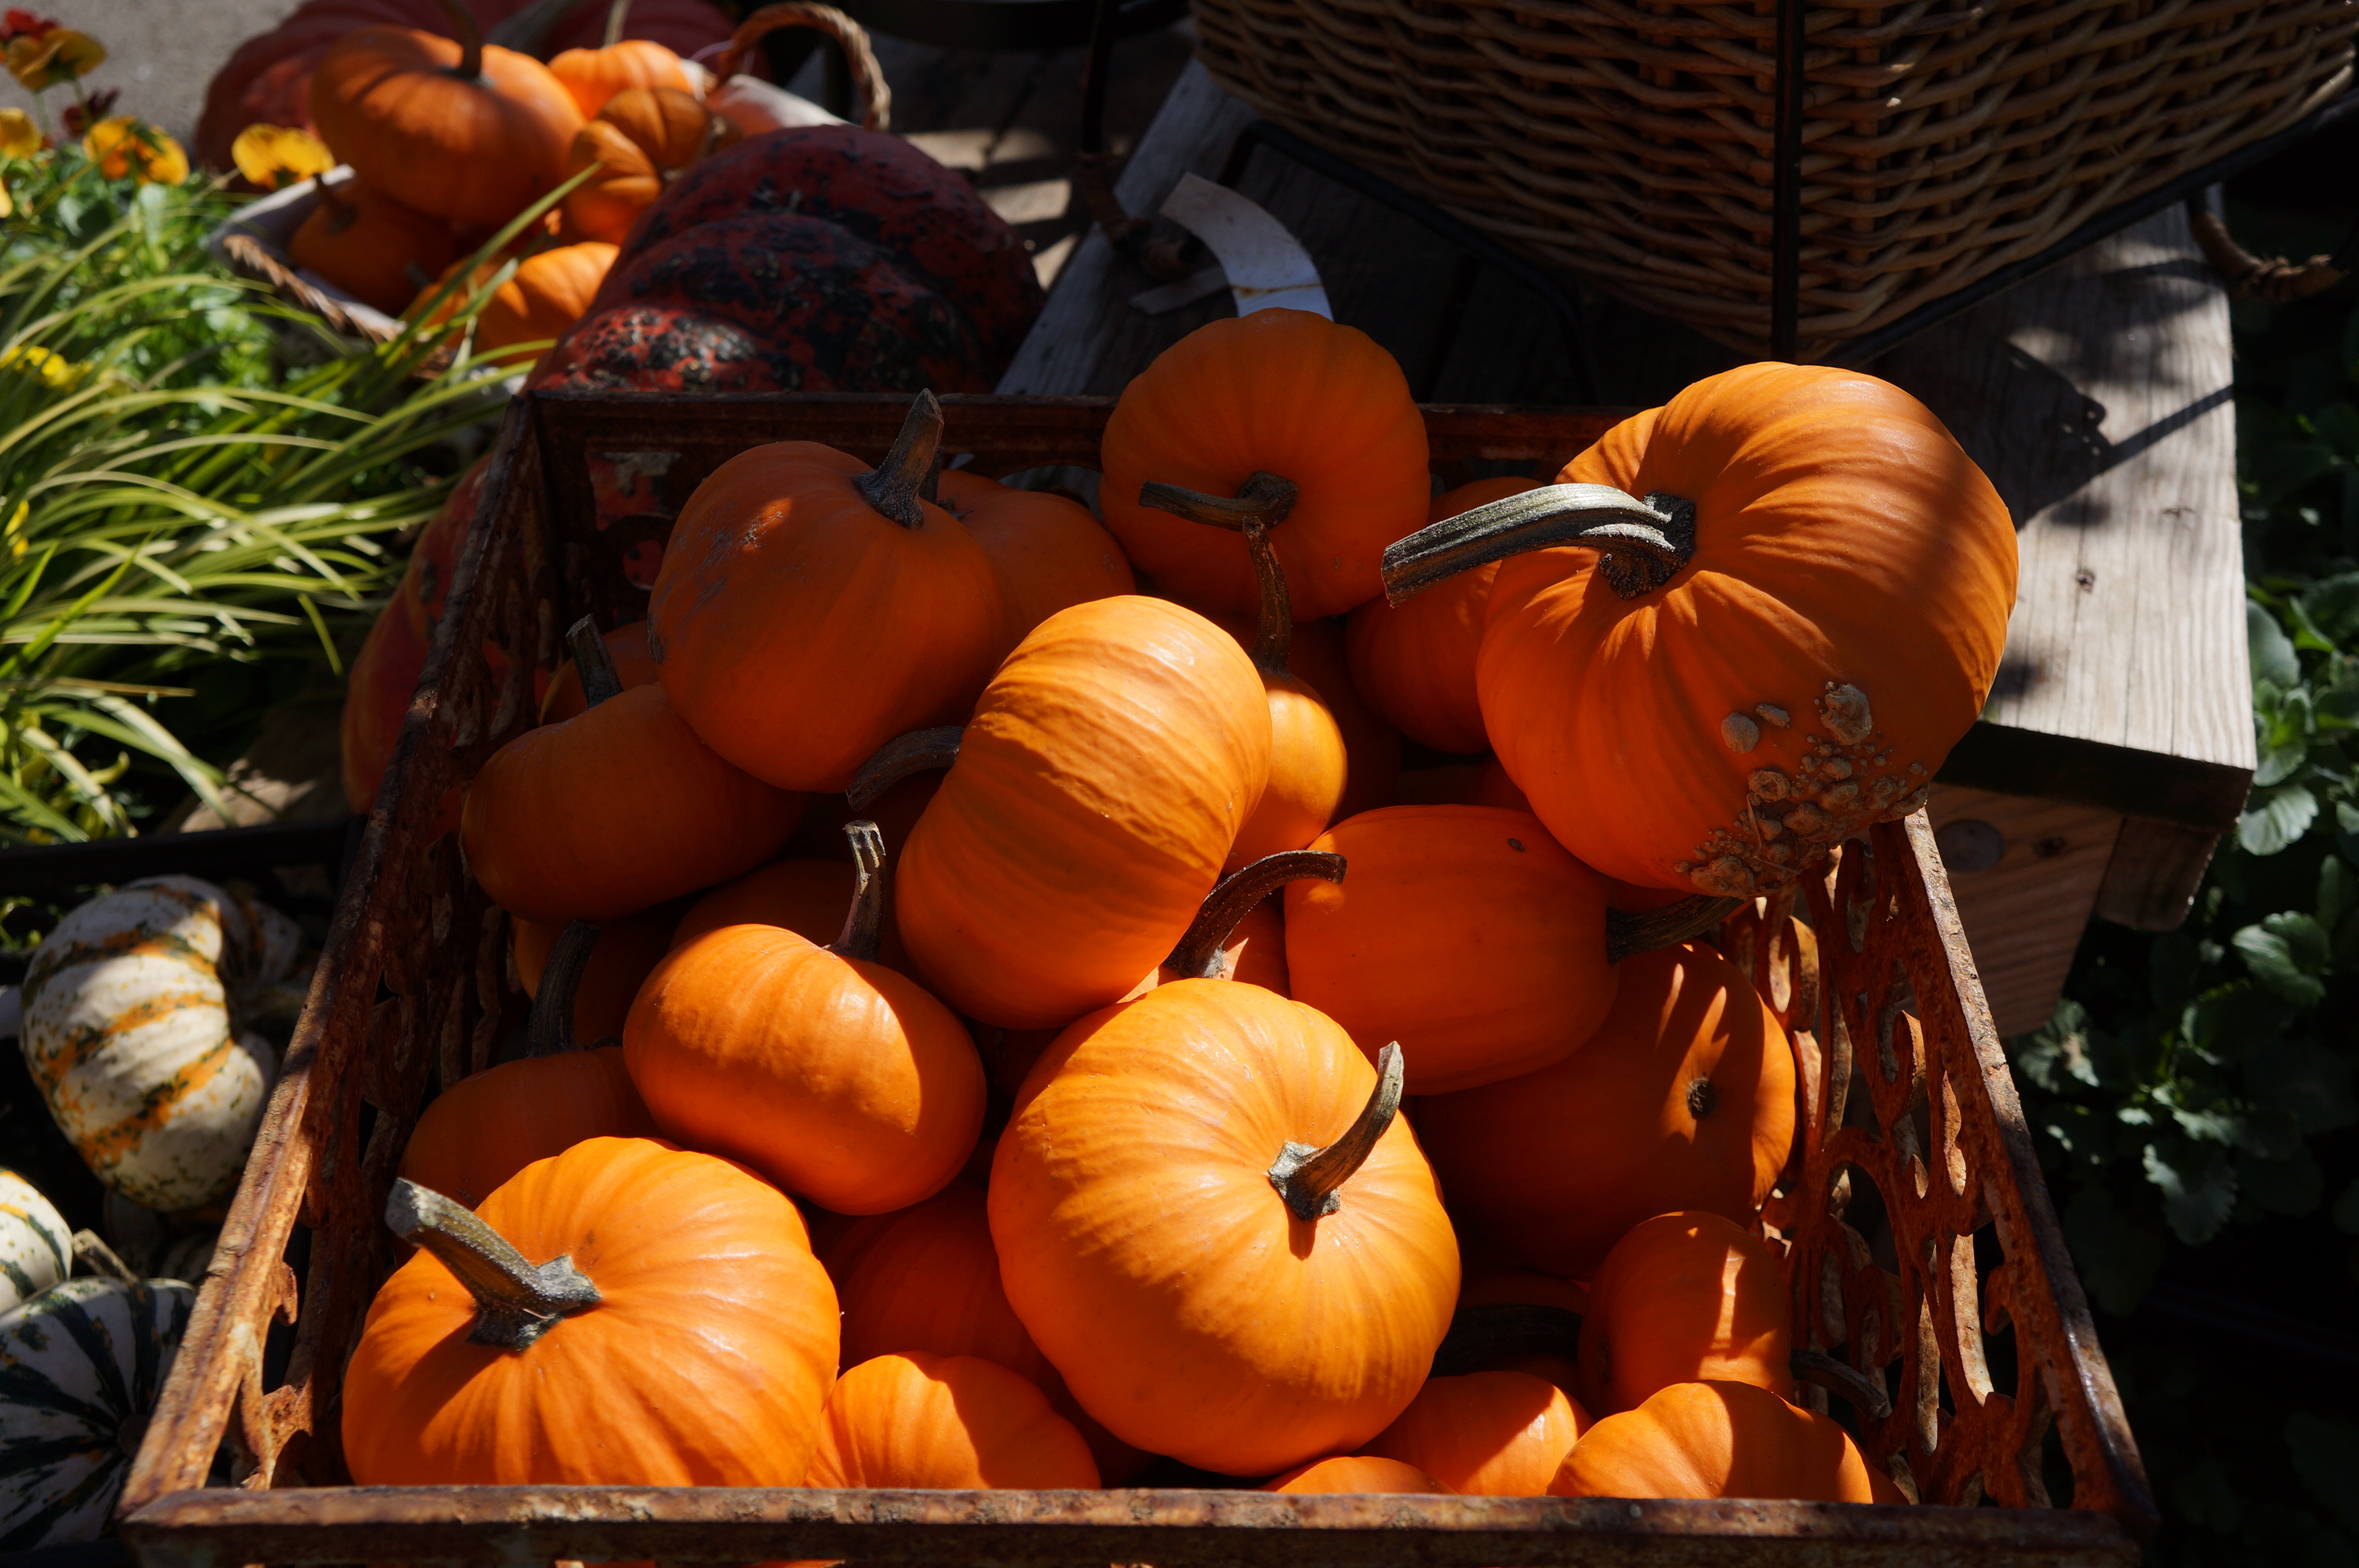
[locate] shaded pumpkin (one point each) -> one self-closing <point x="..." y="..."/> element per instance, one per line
<point x="370" y="246"/>
<point x="950" y="1421"/>
<point x="1049" y="553"/>
<point x="1494" y="1435"/>
<point x="626" y="953"/>
<point x="1354" y="1474"/>
<point x="895" y="811"/>
<point x="544" y="297"/>
<point x="1371" y="748"/>
<point x="627" y="648"/>
<point x="1685" y="1298"/>
<point x="640" y="139"/>
<point x="1719" y="1440"/>
<point x="807" y="897"/>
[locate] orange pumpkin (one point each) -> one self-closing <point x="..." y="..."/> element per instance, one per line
<point x="1307" y="759"/>
<point x="623" y="1313"/>
<point x="370" y="246"/>
<point x="809" y="609"/>
<point x="462" y="130"/>
<point x="548" y="292"/>
<point x="593" y="77"/>
<point x="1219" y="943"/>
<point x="1354" y="1474"/>
<point x="1323" y="411"/>
<point x="626" y="953"/>
<point x="1415" y="661"/>
<point x="609" y="813"/>
<point x="1465" y="932"/>
<point x="1096" y="791"/>
<point x="1719" y="1440"/>
<point x="950" y="1421"/>
<point x="1490" y="785"/>
<point x="1512" y="1319"/>
<point x="1685" y="1298"/>
<point x="1049" y="553"/>
<point x="1371" y="748"/>
<point x="805" y="897"/>
<point x="626" y="650"/>
<point x="483" y="1128"/>
<point x="1710" y="693"/>
<point x="640" y="138"/>
<point x="1493" y="1434"/>
<point x="1682" y="1099"/>
<point x="1213" y="1225"/>
<point x="838" y="1078"/>
<point x="894" y="810"/>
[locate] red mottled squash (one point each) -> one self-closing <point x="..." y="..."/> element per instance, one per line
<point x="1685" y="1298"/>
<point x="1493" y="1434"/>
<point x="950" y="1421"/>
<point x="1719" y="1440"/>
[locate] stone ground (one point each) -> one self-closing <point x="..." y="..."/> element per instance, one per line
<point x="160" y="53"/>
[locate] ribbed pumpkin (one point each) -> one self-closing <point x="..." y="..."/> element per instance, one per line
<point x="1321" y="412"/>
<point x="840" y="1079"/>
<point x="1354" y="1474"/>
<point x="370" y="246"/>
<point x="1049" y="553"/>
<point x="595" y="77"/>
<point x="809" y="608"/>
<point x="952" y="1422"/>
<point x="629" y="1313"/>
<point x="1682" y="1099"/>
<point x="1719" y="1440"/>
<point x="1414" y="662"/>
<point x="1684" y="1298"/>
<point x="465" y="131"/>
<point x="640" y="139"/>
<point x="606" y="813"/>
<point x="1493" y="1434"/>
<point x="1465" y="932"/>
<point x="1715" y="690"/>
<point x="1097" y="790"/>
<point x="36" y="1242"/>
<point x="1210" y="1221"/>
<point x="807" y="897"/>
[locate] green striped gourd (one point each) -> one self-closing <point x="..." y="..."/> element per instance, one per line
<point x="136" y="1008"/>
<point x="80" y="1366"/>
<point x="36" y="1243"/>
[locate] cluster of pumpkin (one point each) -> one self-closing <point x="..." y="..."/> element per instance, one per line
<point x="1132" y="893"/>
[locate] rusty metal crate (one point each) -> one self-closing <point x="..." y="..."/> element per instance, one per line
<point x="1902" y="1082"/>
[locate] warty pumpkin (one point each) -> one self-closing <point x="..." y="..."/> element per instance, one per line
<point x="1493" y="1434"/>
<point x="950" y="1421"/>
<point x="1049" y="553"/>
<point x="370" y="246"/>
<point x="1684" y="1098"/>
<point x="1719" y="1440"/>
<point x="465" y="131"/>
<point x="1415" y="661"/>
<point x="1685" y="1298"/>
<point x="1710" y="688"/>
<point x="1213" y="1222"/>
<point x="1355" y="1474"/>
<point x="606" y="813"/>
<point x="840" y="1079"/>
<point x="1285" y="416"/>
<point x="809" y="608"/>
<point x="36" y="1242"/>
<point x="640" y="139"/>
<point x="807" y="897"/>
<point x="595" y="77"/>
<point x="1092" y="804"/>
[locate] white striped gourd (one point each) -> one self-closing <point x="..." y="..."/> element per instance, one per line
<point x="80" y="1366"/>
<point x="36" y="1243"/>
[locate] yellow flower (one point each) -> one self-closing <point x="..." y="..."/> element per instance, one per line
<point x="271" y="155"/>
<point x="53" y="369"/>
<point x="58" y="55"/>
<point x="7" y="202"/>
<point x="19" y="137"/>
<point x="122" y="145"/>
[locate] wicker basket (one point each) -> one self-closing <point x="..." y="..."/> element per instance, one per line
<point x="1629" y="141"/>
<point x="1902" y="1089"/>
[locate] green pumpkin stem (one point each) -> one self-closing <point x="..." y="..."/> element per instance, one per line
<point x="515" y="1302"/>
<point x="471" y="42"/>
<point x="593" y="663"/>
<point x="616" y="15"/>
<point x="863" y="924"/>
<point x="897" y="486"/>
<point x="1264" y="497"/>
<point x="899" y="758"/>
<point x="1865" y="1391"/>
<point x="1199" y="955"/>
<point x="1642" y="542"/>
<point x="1485" y="1338"/>
<point x="1307" y="1177"/>
<point x="1629" y="934"/>
<point x="549" y="1030"/>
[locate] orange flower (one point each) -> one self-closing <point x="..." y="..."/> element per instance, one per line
<point x="58" y="55"/>
<point x="123" y="145"/>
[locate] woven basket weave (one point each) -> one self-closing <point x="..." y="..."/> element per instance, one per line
<point x="1630" y="142"/>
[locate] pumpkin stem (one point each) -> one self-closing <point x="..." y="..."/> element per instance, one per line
<point x="1274" y="639"/>
<point x="515" y="1302"/>
<point x="1199" y="957"/>
<point x="895" y="486"/>
<point x="593" y="663"/>
<point x="1307" y="1177"/>
<point x="863" y="924"/>
<point x="616" y="14"/>
<point x="92" y="1256"/>
<point x="342" y="214"/>
<point x="471" y="42"/>
<point x="1866" y="1393"/>
<point x="1481" y="1338"/>
<point x="899" y="758"/>
<point x="1627" y="936"/>
<point x="1265" y="498"/>
<point x="1644" y="542"/>
<point x="549" y="1030"/>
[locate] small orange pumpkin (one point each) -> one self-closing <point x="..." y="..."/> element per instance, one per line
<point x="1355" y="1474"/>
<point x="1308" y="762"/>
<point x="370" y="246"/>
<point x="640" y="138"/>
<point x="1494" y="1435"/>
<point x="593" y="77"/>
<point x="1719" y="1440"/>
<point x="548" y="292"/>
<point x="805" y="897"/>
<point x="949" y="1422"/>
<point x="1050" y="554"/>
<point x="1685" y="1298"/>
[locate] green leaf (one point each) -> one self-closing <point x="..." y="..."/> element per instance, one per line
<point x="2272" y="651"/>
<point x="2057" y="1049"/>
<point x="2305" y="1080"/>
<point x="2338" y="892"/>
<point x="2331" y="606"/>
<point x="2290" y="1186"/>
<point x="2276" y="819"/>
<point x="2198" y="1187"/>
<point x="2306" y="631"/>
<point x="2325" y="1453"/>
<point x="2116" y="1258"/>
<point x="2229" y="1021"/>
<point x="2280" y="962"/>
<point x="2206" y="1498"/>
<point x="2345" y="1212"/>
<point x="2337" y="424"/>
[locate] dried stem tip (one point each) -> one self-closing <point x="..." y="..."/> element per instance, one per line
<point x="1264" y="497"/>
<point x="515" y="1302"/>
<point x="863" y="924"/>
<point x="1627" y="936"/>
<point x="895" y="485"/>
<point x="1866" y="1394"/>
<point x="549" y="1032"/>
<point x="1198" y="956"/>
<point x="1307" y="1177"/>
<point x="1643" y="542"/>
<point x="899" y="758"/>
<point x="592" y="661"/>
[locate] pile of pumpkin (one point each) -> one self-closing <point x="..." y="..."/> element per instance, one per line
<point x="1141" y="1084"/>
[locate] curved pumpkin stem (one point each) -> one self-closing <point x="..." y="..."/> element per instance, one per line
<point x="863" y="924"/>
<point x="550" y="1030"/>
<point x="1627" y="936"/>
<point x="1265" y="498"/>
<point x="593" y="663"/>
<point x="1199" y="955"/>
<point x="515" y="1302"/>
<point x="471" y="40"/>
<point x="1307" y="1177"/>
<point x="899" y="758"/>
<point x="1644" y="542"/>
<point x="1866" y="1393"/>
<point x="616" y="15"/>
<point x="1482" y="1337"/>
<point x="896" y="486"/>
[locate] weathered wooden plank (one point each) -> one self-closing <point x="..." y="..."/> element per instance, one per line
<point x="2026" y="872"/>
